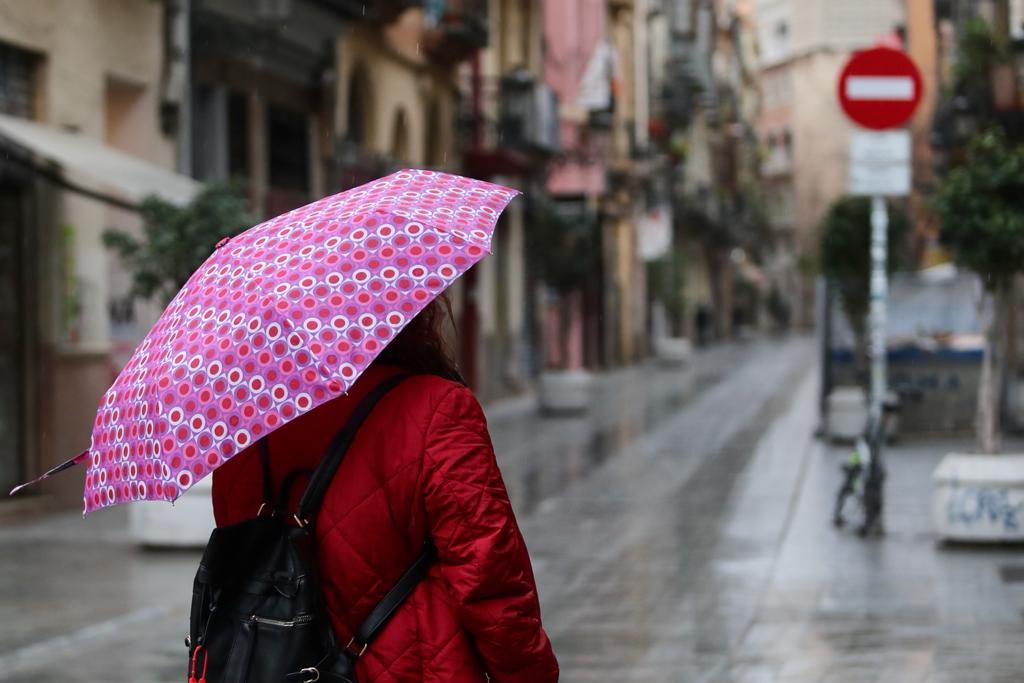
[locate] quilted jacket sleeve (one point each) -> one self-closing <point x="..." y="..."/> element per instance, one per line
<point x="481" y="551"/>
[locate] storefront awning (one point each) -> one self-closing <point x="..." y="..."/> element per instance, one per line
<point x="93" y="167"/>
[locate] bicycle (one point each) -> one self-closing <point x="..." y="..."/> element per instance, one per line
<point x="864" y="472"/>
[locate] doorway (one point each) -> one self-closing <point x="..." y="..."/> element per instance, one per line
<point x="16" y="327"/>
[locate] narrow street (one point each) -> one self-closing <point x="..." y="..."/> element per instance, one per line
<point x="680" y="533"/>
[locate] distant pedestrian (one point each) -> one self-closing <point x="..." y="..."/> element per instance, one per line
<point x="421" y="467"/>
<point x="703" y="323"/>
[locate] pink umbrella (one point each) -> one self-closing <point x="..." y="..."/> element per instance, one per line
<point x="279" y="320"/>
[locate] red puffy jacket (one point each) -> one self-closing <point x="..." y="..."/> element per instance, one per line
<point x="421" y="465"/>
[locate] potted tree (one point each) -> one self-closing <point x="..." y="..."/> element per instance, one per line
<point x="845" y="256"/>
<point x="979" y="496"/>
<point x="563" y="254"/>
<point x="175" y="240"/>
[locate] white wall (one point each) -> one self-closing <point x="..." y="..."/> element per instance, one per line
<point x="848" y="26"/>
<point x="82" y="44"/>
<point x="791" y="28"/>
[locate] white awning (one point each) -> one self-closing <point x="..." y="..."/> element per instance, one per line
<point x="96" y="166"/>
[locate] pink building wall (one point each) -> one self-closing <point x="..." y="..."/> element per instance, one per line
<point x="573" y="30"/>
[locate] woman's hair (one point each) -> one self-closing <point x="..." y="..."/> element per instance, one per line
<point x="421" y="346"/>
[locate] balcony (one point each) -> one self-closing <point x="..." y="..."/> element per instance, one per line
<point x="377" y="11"/>
<point x="280" y="200"/>
<point x="778" y="157"/>
<point x="353" y="165"/>
<point x="523" y="133"/>
<point x="529" y="114"/>
<point x="388" y="11"/>
<point x="457" y="29"/>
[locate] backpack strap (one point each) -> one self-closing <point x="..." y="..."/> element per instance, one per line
<point x="272" y="505"/>
<point x="310" y="503"/>
<point x="288" y="484"/>
<point x="384" y="610"/>
<point x="324" y="473"/>
<point x="268" y="486"/>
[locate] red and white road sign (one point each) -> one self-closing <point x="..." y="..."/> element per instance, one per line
<point x="880" y="88"/>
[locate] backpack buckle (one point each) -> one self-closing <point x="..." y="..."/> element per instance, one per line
<point x="311" y="673"/>
<point x="354" y="648"/>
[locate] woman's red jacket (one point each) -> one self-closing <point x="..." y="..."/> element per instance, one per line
<point x="421" y="465"/>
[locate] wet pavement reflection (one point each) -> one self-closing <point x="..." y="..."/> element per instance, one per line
<point x="680" y="532"/>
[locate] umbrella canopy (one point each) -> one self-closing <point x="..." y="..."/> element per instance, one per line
<point x="279" y="320"/>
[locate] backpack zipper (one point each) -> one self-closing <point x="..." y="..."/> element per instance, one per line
<point x="302" y="619"/>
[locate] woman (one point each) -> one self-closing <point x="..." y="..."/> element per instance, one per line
<point x="422" y="466"/>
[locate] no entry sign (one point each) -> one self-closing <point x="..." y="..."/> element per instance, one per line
<point x="880" y="88"/>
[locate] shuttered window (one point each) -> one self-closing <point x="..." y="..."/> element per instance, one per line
<point x="17" y="81"/>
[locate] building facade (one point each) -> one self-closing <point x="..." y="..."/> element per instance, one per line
<point x="803" y="46"/>
<point x="509" y="133"/>
<point x="631" y="187"/>
<point x="709" y="102"/>
<point x="84" y="130"/>
<point x="575" y="103"/>
<point x="260" y="91"/>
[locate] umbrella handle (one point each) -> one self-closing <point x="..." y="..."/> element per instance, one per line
<point x="81" y="457"/>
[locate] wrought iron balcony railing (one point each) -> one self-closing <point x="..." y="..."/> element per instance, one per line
<point x="528" y="113"/>
<point x="458" y="28"/>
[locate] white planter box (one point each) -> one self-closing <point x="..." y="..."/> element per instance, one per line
<point x="566" y="391"/>
<point x="979" y="498"/>
<point x="673" y="350"/>
<point x="1015" y="403"/>
<point x="847" y="413"/>
<point x="186" y="524"/>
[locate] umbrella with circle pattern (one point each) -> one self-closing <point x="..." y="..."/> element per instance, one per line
<point x="277" y="321"/>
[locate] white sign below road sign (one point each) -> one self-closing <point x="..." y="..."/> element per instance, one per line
<point x="880" y="163"/>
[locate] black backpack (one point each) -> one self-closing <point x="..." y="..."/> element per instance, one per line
<point x="258" y="615"/>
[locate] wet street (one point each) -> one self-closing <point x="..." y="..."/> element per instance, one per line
<point x="680" y="532"/>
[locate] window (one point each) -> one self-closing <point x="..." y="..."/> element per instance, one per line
<point x="777" y="88"/>
<point x="400" y="137"/>
<point x="16" y="278"/>
<point x="779" y="157"/>
<point x="17" y="81"/>
<point x="288" y="131"/>
<point x="433" y="147"/>
<point x="238" y="136"/>
<point x="433" y="11"/>
<point x="274" y="10"/>
<point x="775" y="32"/>
<point x="359" y="104"/>
<point x="682" y="16"/>
<point x="125" y="116"/>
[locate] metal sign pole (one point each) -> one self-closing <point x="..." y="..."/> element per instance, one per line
<point x="879" y="295"/>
